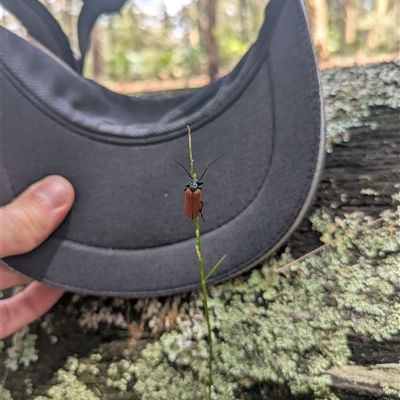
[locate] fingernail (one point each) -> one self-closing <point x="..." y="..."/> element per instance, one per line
<point x="53" y="190"/>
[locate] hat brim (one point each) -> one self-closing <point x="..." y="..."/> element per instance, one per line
<point x="127" y="233"/>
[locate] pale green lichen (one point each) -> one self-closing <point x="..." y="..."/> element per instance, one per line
<point x="349" y="287"/>
<point x="5" y="394"/>
<point x="369" y="192"/>
<point x="391" y="392"/>
<point x="350" y="95"/>
<point x="72" y="364"/>
<point x="96" y="357"/>
<point x="79" y="368"/>
<point x="53" y="339"/>
<point x="22" y="351"/>
<point x="68" y="387"/>
<point x="120" y="375"/>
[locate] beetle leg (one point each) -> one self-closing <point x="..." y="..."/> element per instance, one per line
<point x="201" y="207"/>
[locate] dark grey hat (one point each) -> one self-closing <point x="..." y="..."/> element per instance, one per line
<point x="127" y="233"/>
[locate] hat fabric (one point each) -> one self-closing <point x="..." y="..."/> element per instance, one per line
<point x="127" y="233"/>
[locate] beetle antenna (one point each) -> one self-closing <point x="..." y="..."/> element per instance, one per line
<point x="183" y="167"/>
<point x="210" y="164"/>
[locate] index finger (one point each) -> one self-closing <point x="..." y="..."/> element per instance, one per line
<point x="10" y="278"/>
<point x="26" y="306"/>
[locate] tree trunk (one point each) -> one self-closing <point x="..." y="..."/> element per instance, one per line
<point x="375" y="36"/>
<point x="319" y="23"/>
<point x="350" y="31"/>
<point x="95" y="49"/>
<point x="212" y="48"/>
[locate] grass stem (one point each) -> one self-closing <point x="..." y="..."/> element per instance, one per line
<point x="203" y="278"/>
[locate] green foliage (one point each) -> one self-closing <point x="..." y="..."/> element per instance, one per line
<point x="237" y="28"/>
<point x="169" y="47"/>
<point x="147" y="43"/>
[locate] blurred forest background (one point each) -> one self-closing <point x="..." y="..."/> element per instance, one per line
<point x="166" y="44"/>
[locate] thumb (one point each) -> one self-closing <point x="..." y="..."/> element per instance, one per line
<point x="29" y="219"/>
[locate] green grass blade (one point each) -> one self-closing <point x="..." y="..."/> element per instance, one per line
<point x="215" y="267"/>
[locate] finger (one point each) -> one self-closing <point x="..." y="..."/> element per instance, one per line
<point x="26" y="306"/>
<point x="9" y="278"/>
<point x="32" y="217"/>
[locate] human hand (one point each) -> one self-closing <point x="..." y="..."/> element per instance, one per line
<point x="25" y="223"/>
